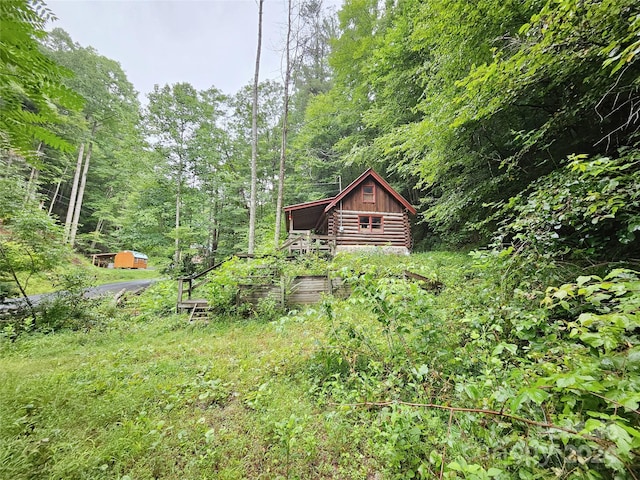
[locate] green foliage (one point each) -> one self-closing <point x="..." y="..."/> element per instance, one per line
<point x="31" y="85"/>
<point x="463" y="105"/>
<point x="69" y="308"/>
<point x="542" y="390"/>
<point x="132" y="397"/>
<point x="157" y="300"/>
<point x="472" y="379"/>
<point x="30" y="241"/>
<point x="588" y="211"/>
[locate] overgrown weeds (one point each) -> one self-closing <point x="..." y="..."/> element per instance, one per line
<point x="480" y="378"/>
<point x="487" y="379"/>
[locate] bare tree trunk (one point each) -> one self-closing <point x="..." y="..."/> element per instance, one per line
<point x="176" y="255"/>
<point x="254" y="140"/>
<point x="74" y="193"/>
<point x="78" y="207"/>
<point x="100" y="223"/>
<point x="83" y="183"/>
<point x="55" y="194"/>
<point x="96" y="232"/>
<point x="285" y="129"/>
<point x="33" y="178"/>
<point x="32" y="186"/>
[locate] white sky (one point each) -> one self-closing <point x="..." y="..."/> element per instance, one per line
<point x="203" y="42"/>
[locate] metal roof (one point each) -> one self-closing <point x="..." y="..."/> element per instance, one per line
<point x="137" y="254"/>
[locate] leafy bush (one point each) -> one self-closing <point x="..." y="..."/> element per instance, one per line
<point x="69" y="307"/>
<point x="157" y="300"/>
<point x="482" y="380"/>
<point x="588" y="210"/>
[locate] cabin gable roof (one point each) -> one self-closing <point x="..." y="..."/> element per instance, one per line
<point x="369" y="173"/>
<point x="312" y="215"/>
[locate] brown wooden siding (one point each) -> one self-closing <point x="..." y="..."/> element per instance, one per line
<point x="303" y="290"/>
<point x="395" y="230"/>
<point x="254" y="293"/>
<point x="384" y="202"/>
<point x="308" y="289"/>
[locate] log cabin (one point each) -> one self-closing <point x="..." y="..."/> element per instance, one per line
<point x="367" y="213"/>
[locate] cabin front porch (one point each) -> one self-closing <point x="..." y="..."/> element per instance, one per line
<point x="304" y="242"/>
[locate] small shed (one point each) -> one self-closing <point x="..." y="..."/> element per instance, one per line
<point x="130" y="259"/>
<point x="103" y="260"/>
<point x="367" y="213"/>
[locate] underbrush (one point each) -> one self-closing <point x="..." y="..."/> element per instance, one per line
<point x="437" y="365"/>
<point x="485" y="379"/>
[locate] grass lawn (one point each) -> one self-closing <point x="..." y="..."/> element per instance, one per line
<point x="164" y="399"/>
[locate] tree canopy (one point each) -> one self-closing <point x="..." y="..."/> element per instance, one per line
<point x="470" y="110"/>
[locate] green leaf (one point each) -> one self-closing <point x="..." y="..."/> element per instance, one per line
<point x="591" y="424"/>
<point x="566" y="381"/>
<point x="537" y="395"/>
<point x="581" y="280"/>
<point x="472" y="391"/>
<point x="621" y="437"/>
<point x="517" y="401"/>
<point x="592" y="339"/>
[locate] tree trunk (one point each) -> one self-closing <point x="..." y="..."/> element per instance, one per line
<point x="83" y="183"/>
<point x="176" y="255"/>
<point x="96" y="232"/>
<point x="285" y="129"/>
<point x="32" y="186"/>
<point x="78" y="207"/>
<point x="74" y="193"/>
<point x="254" y="140"/>
<point x="57" y="190"/>
<point x="100" y="223"/>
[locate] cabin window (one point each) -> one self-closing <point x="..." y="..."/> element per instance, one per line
<point x="369" y="193"/>
<point x="370" y="224"/>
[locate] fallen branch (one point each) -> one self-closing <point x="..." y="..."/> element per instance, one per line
<point x="496" y="413"/>
<point x="118" y="296"/>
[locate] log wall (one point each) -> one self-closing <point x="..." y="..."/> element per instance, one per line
<point x="396" y="230"/>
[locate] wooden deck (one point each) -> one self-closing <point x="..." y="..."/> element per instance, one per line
<point x="300" y="291"/>
<point x="303" y="241"/>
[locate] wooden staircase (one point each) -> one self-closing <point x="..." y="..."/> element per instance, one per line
<point x="198" y="309"/>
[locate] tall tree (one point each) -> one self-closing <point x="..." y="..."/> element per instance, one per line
<point x="285" y="126"/>
<point x="179" y="119"/>
<point x="77" y="208"/>
<point x="254" y="139"/>
<point x="110" y="114"/>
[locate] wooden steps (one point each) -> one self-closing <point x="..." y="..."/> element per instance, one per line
<point x="198" y="309"/>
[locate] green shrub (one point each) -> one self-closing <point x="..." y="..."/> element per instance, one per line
<point x="536" y="389"/>
<point x="69" y="307"/>
<point x="588" y="210"/>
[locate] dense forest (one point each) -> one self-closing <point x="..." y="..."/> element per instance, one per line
<point x="487" y="116"/>
<point x="512" y="126"/>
